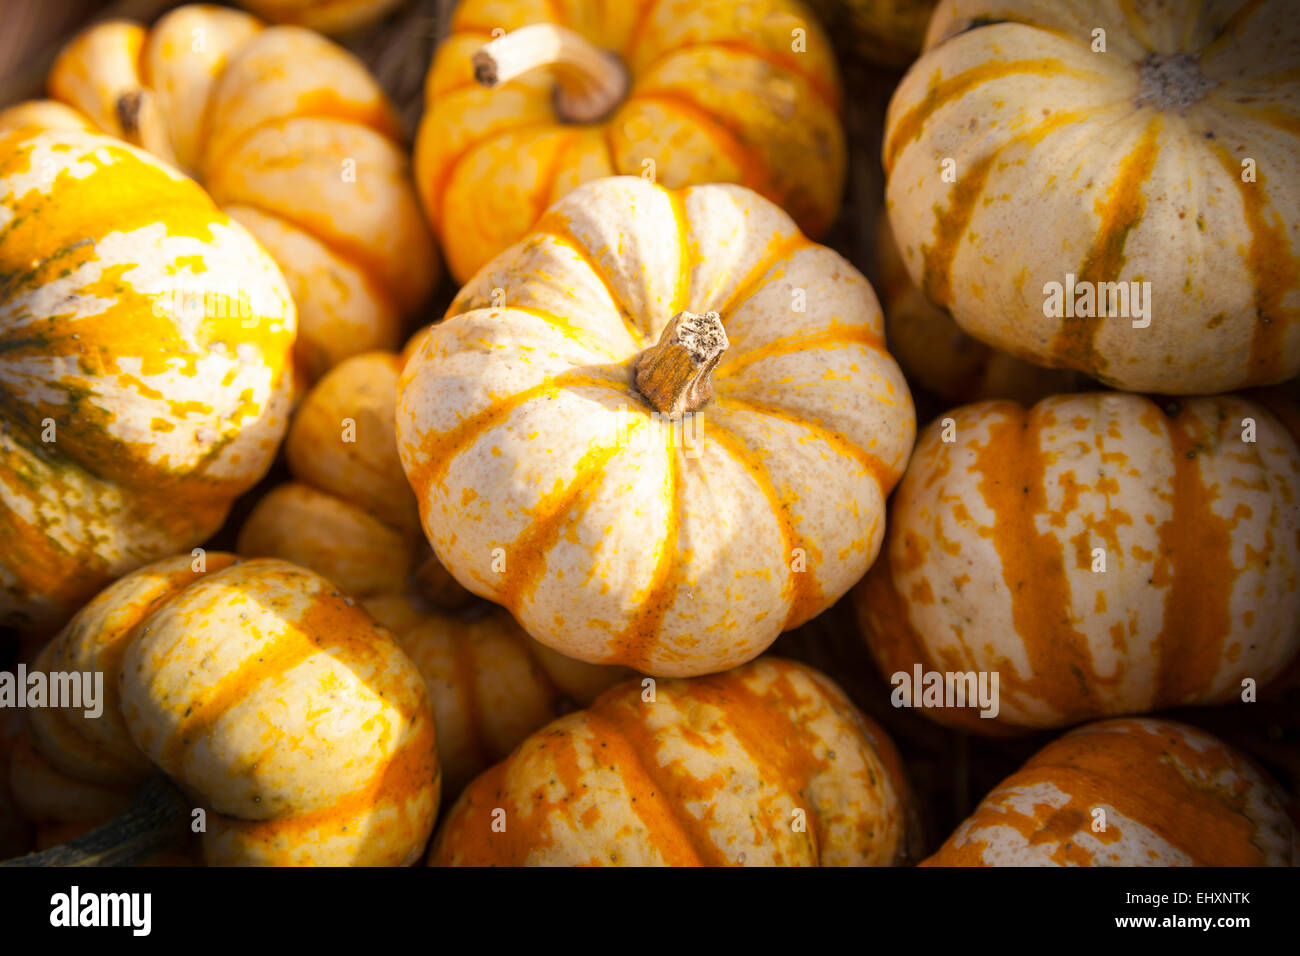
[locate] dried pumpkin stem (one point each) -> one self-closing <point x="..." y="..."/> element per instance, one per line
<point x="674" y="375"/>
<point x="143" y="126"/>
<point x="592" y="83"/>
<point x="155" y="819"/>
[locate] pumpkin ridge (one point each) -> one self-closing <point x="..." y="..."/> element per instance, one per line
<point x="551" y="227"/>
<point x="1197" y="565"/>
<point x="607" y="722"/>
<point x="1074" y="344"/>
<point x="885" y="474"/>
<point x="828" y="96"/>
<point x="838" y="333"/>
<point x="572" y="331"/>
<point x="549" y="517"/>
<point x="665" y="584"/>
<point x="731" y="142"/>
<point x="447" y="170"/>
<point x="1011" y="465"/>
<point x="801" y="591"/>
<point x="908" y="126"/>
<point x="951" y="221"/>
<point x="464" y="662"/>
<point x="1232" y="26"/>
<point x="1273" y="267"/>
<point x="639" y="31"/>
<point x="441" y="449"/>
<point x="754" y="279"/>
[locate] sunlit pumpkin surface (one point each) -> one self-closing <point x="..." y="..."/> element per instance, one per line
<point x="1123" y="165"/>
<point x="547" y="483"/>
<point x="1137" y="792"/>
<point x="1103" y="553"/>
<point x="768" y="764"/>
<point x="718" y="94"/>
<point x="144" y="345"/>
<point x="276" y="703"/>
<point x="289" y="135"/>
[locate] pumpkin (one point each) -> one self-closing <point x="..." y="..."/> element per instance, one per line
<point x="641" y="484"/>
<point x="291" y="137"/>
<point x="884" y="32"/>
<point x="936" y="354"/>
<point x="274" y="702"/>
<point x="349" y="514"/>
<point x="1130" y="792"/>
<point x="131" y="418"/>
<point x="768" y="764"/>
<point x="1133" y="214"/>
<point x="529" y="98"/>
<point x="327" y="16"/>
<point x="351" y="517"/>
<point x="1101" y="553"/>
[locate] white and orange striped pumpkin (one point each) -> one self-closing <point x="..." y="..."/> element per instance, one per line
<point x="766" y="765"/>
<point x="1171" y="156"/>
<point x="1102" y="553"/>
<point x="1130" y="792"/>
<point x="660" y="430"/>
<point x="290" y="136"/>
<point x="276" y="704"/>
<point x="680" y="91"/>
<point x="131" y="418"/>
<point x="350" y="515"/>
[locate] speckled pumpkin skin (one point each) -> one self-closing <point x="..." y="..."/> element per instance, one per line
<point x="327" y="16"/>
<point x="989" y="560"/>
<point x="277" y="704"/>
<point x="1064" y="165"/>
<point x="351" y="517"/>
<point x="937" y="355"/>
<point x="131" y="421"/>
<point x="545" y="483"/>
<point x="1169" y="795"/>
<point x="291" y="137"/>
<point x="708" y="774"/>
<point x="718" y="96"/>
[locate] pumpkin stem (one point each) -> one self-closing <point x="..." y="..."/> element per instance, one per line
<point x="592" y="82"/>
<point x="143" y="126"/>
<point x="155" y="819"/>
<point x="673" y="375"/>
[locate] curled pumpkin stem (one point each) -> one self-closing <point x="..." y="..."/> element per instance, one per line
<point x="675" y="374"/>
<point x="155" y="820"/>
<point x="592" y="83"/>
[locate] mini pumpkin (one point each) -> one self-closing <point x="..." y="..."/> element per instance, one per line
<point x="936" y="354"/>
<point x="131" y="421"/>
<point x="1098" y="155"/>
<point x="682" y="91"/>
<point x="351" y="517"/>
<point x="1132" y="792"/>
<point x="767" y="764"/>
<point x="1101" y="553"/>
<point x="290" y="136"/>
<point x="273" y="701"/>
<point x="640" y="483"/>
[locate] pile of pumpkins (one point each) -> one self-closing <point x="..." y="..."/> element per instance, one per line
<point x="511" y="604"/>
